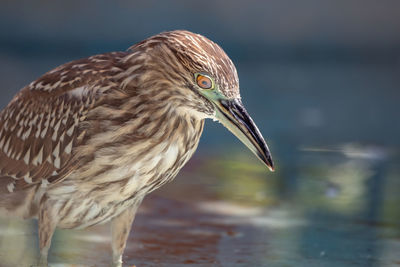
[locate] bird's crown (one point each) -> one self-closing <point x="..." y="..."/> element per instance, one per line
<point x="198" y="54"/>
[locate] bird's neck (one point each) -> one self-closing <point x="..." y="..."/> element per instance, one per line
<point x="153" y="143"/>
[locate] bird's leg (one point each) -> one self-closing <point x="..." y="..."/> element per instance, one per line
<point x="47" y="225"/>
<point x="120" y="228"/>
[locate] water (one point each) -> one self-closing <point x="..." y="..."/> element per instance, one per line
<point x="333" y="130"/>
<point x="336" y="210"/>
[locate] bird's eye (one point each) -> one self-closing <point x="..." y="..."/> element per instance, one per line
<point x="204" y="81"/>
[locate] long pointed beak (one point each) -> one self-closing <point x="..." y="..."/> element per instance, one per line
<point x="233" y="115"/>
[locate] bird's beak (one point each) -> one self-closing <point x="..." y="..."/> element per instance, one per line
<point x="233" y="115"/>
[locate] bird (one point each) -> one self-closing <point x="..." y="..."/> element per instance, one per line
<point x="87" y="141"/>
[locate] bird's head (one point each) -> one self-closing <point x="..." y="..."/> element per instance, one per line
<point x="204" y="81"/>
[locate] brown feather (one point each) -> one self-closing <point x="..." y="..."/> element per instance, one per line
<point x="88" y="140"/>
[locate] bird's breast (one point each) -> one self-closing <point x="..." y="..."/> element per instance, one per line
<point x="119" y="170"/>
<point x="103" y="195"/>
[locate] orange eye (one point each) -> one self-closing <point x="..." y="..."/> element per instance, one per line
<point x="204" y="82"/>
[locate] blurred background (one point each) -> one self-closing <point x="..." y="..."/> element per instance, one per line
<point x="321" y="80"/>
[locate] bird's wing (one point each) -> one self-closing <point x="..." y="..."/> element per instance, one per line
<point x="41" y="126"/>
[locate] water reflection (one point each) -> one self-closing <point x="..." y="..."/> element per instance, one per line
<point x="346" y="199"/>
<point x="229" y="210"/>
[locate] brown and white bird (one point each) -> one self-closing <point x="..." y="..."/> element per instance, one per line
<point x="84" y="143"/>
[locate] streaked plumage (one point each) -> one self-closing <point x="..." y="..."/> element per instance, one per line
<point x="85" y="142"/>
